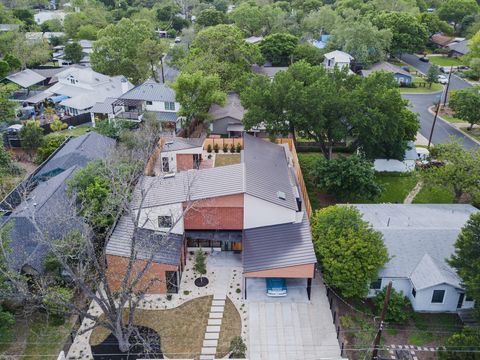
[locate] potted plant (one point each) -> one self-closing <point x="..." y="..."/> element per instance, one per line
<point x="225" y="148"/>
<point x="216" y="148"/>
<point x="209" y="148"/>
<point x="232" y="148"/>
<point x="239" y="147"/>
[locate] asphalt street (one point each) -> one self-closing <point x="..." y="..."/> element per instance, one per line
<point x="420" y="103"/>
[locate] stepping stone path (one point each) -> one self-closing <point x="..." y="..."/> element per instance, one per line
<point x="212" y="334"/>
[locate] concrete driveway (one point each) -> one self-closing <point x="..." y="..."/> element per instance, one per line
<point x="291" y="328"/>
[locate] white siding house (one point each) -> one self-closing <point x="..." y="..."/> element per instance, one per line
<point x="419" y="238"/>
<point x="337" y="59"/>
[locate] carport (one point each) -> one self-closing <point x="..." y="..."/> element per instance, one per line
<point x="279" y="251"/>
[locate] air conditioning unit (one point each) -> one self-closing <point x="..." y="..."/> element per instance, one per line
<point x="169" y="175"/>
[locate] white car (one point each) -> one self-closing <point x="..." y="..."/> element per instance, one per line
<point x="177" y="39"/>
<point x="442" y="79"/>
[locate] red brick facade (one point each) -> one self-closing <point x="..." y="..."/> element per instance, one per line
<point x="184" y="162"/>
<point x="220" y="213"/>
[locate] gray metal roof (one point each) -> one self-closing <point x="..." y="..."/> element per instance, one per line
<point x="55" y="215"/>
<point x="48" y="73"/>
<point x="78" y="151"/>
<point x="385" y="66"/>
<point x="165" y="248"/>
<point x="267" y="172"/>
<point x="150" y="91"/>
<point x="176" y="143"/>
<point x="190" y="185"/>
<point x="26" y="78"/>
<point x="232" y="108"/>
<point x="278" y="246"/>
<point x="166" y="116"/>
<point x="104" y="107"/>
<point x="412" y="231"/>
<point x="460" y="47"/>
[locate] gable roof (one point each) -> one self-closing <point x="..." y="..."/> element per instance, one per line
<point x="78" y="151"/>
<point x="385" y="66"/>
<point x="26" y="78"/>
<point x="339" y="56"/>
<point x="150" y="90"/>
<point x="460" y="47"/>
<point x="267" y="172"/>
<point x="233" y="108"/>
<point x="166" y="249"/>
<point x="412" y="231"/>
<point x="55" y="215"/>
<point x="104" y="107"/>
<point x="278" y="246"/>
<point x="441" y="39"/>
<point x="176" y="143"/>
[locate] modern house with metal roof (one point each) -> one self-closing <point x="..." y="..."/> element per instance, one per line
<point x="419" y="239"/>
<point x="403" y="77"/>
<point x="254" y="207"/>
<point x="152" y="97"/>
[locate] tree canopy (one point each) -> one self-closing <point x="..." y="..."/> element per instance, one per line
<point x="278" y="48"/>
<point x="73" y="52"/>
<point x="349" y="251"/>
<point x="456" y="10"/>
<point x="466" y="104"/>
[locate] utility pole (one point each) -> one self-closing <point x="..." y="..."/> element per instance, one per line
<point x="448" y="85"/>
<point x="434" y="122"/>
<point x="376" y="343"/>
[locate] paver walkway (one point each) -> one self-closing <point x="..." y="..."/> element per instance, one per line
<point x="411" y="195"/>
<point x="212" y="334"/>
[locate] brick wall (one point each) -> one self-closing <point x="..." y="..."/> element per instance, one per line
<point x="184" y="162"/>
<point x="116" y="271"/>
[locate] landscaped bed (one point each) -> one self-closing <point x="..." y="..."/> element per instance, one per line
<point x="226" y="159"/>
<point x="475" y="132"/>
<point x="445" y="61"/>
<point x="181" y="329"/>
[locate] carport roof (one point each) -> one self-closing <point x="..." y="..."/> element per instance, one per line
<point x="278" y="246"/>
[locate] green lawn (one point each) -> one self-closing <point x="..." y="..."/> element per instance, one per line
<point x="434" y="195"/>
<point x="452" y="119"/>
<point x="78" y="130"/>
<point x="433" y="328"/>
<point x="445" y="61"/>
<point x="418" y="90"/>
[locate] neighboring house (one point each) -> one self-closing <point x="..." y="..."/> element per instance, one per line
<point x="459" y="48"/>
<point x="87" y="49"/>
<point x="269" y="71"/>
<point x="77" y="152"/>
<point x="43" y="16"/>
<point x="26" y="78"/>
<point x="404" y="78"/>
<point x="403" y="166"/>
<point x="9" y="27"/>
<point x="39" y="36"/>
<point x="441" y="40"/>
<point x="254" y="207"/>
<point x="254" y="39"/>
<point x="338" y="59"/>
<point x="419" y="239"/>
<point x="47" y="214"/>
<point x="152" y="97"/>
<point x="228" y="119"/>
<point x="78" y="88"/>
<point x="180" y="154"/>
<point x="322" y="42"/>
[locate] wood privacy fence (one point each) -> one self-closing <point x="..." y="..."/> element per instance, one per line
<point x="221" y="142"/>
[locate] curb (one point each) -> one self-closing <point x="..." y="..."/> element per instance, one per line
<point x="428" y="93"/>
<point x="453" y="126"/>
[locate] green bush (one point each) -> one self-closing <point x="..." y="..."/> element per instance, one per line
<point x="225" y="148"/>
<point x="239" y="148"/>
<point x="56" y="302"/>
<point x="462" y="345"/>
<point x="50" y="143"/>
<point x="238" y="348"/>
<point x="232" y="148"/>
<point x="399" y="307"/>
<point x="209" y="148"/>
<point x="216" y="148"/>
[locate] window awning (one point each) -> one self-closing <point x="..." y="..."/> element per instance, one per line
<point x="235" y="127"/>
<point x="216" y="235"/>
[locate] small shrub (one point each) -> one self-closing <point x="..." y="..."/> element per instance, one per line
<point x="56" y="302"/>
<point x="169" y="297"/>
<point x="399" y="307"/>
<point x="237" y="348"/>
<point x="238" y="290"/>
<point x="232" y="148"/>
<point x="209" y="148"/>
<point x="200" y="266"/>
<point x="225" y="148"/>
<point x="216" y="148"/>
<point x="186" y="292"/>
<point x="239" y="147"/>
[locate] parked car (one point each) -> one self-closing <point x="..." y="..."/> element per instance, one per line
<point x="406" y="68"/>
<point x="424" y="59"/>
<point x="178" y="39"/>
<point x="442" y="79"/>
<point x="276" y="287"/>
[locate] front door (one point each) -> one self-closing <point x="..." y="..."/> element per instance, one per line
<point x="460" y="300"/>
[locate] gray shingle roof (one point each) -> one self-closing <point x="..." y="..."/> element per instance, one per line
<point x="166" y="248"/>
<point x="267" y="172"/>
<point x="232" y="108"/>
<point x="385" y="66"/>
<point x="190" y="185"/>
<point x="104" y="107"/>
<point x="413" y="231"/>
<point x="178" y="143"/>
<point x="460" y="47"/>
<point x="278" y="246"/>
<point x="166" y="116"/>
<point x="26" y="78"/>
<point x="54" y="213"/>
<point x="78" y="151"/>
<point x="150" y="91"/>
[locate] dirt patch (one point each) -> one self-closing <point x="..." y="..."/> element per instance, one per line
<point x="181" y="329"/>
<point x="231" y="327"/>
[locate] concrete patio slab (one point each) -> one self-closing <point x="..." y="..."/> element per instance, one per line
<point x="207" y="357"/>
<point x="210" y="343"/>
<point x="214" y="321"/>
<point x="212" y="336"/>
<point x="217" y="309"/>
<point x="209" y="350"/>
<point x="213" y="329"/>
<point x="218" y="302"/>
<point x="216" y="315"/>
